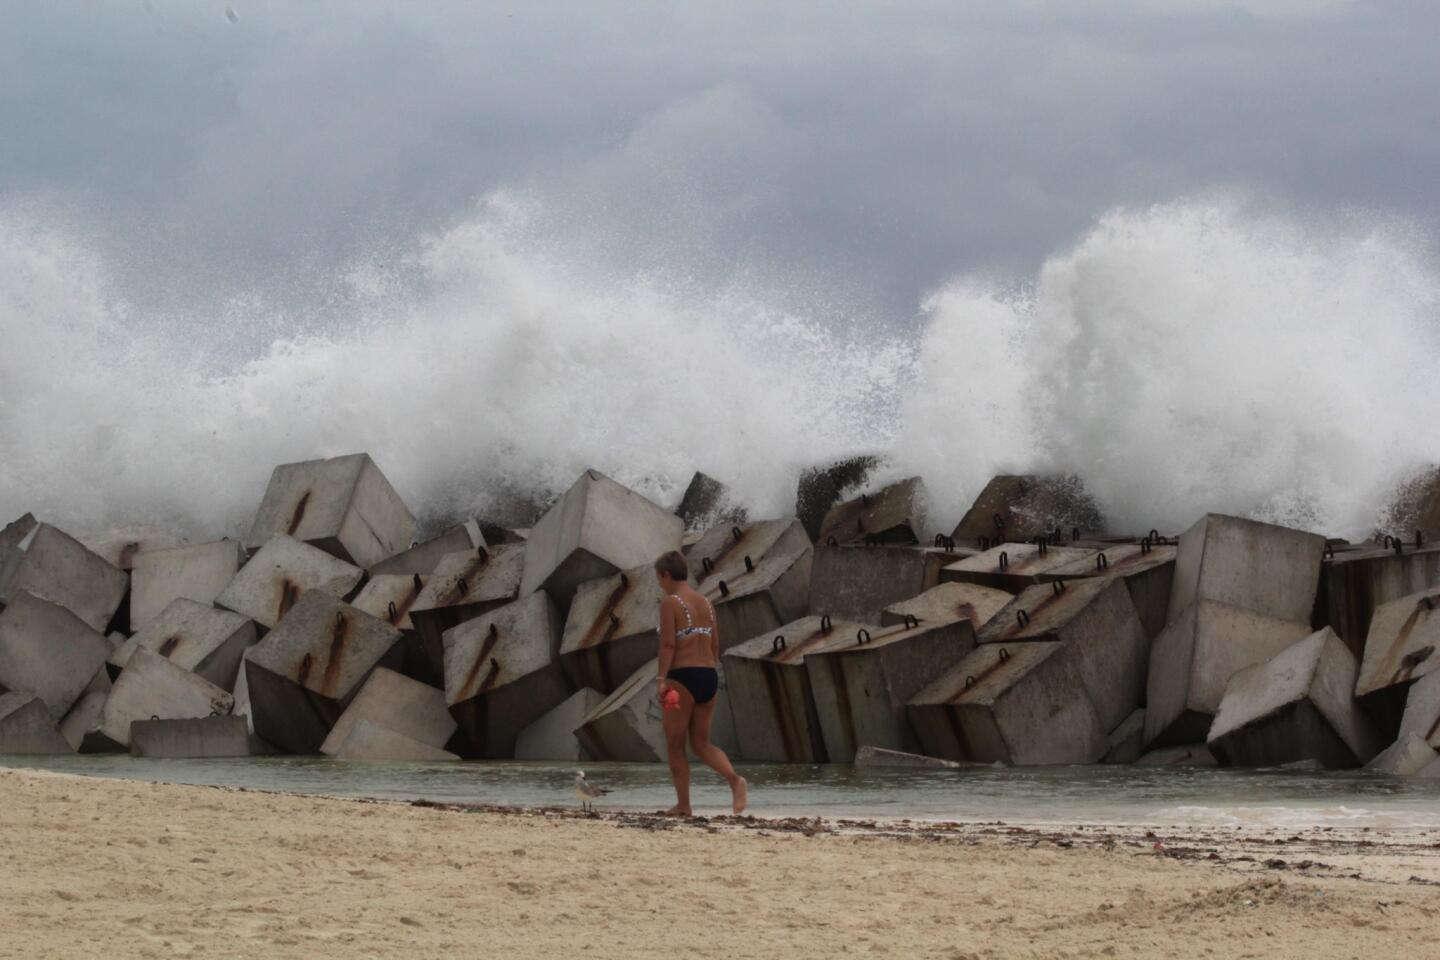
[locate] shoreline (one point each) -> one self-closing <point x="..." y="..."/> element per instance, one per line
<point x="148" y="869"/>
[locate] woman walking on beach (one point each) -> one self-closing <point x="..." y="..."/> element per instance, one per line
<point x="689" y="662"/>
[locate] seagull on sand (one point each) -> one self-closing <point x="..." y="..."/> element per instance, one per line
<point x="587" y="792"/>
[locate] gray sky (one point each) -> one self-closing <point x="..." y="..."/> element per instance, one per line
<point x="861" y="151"/>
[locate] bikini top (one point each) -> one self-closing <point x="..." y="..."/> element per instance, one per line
<point x="690" y="630"/>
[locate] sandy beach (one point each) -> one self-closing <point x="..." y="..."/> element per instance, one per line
<point x="124" y="869"/>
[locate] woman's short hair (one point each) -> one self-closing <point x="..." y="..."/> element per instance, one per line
<point x="673" y="565"/>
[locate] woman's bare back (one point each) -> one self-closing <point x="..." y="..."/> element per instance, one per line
<point x="697" y="640"/>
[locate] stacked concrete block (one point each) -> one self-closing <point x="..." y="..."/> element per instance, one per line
<point x="1422" y="710"/>
<point x="893" y="514"/>
<point x="195" y="637"/>
<point x="1148" y="570"/>
<point x="371" y="743"/>
<point x="462" y="587"/>
<point x="395" y="702"/>
<point x="1243" y="591"/>
<point x="861" y="687"/>
<point x="422" y="558"/>
<point x="1405" y="757"/>
<point x="1020" y="704"/>
<point x="81" y="726"/>
<point x="628" y="725"/>
<point x="597" y="529"/>
<point x="52" y="565"/>
<point x="198" y="572"/>
<point x="190" y="738"/>
<point x="767" y="594"/>
<point x="821" y="487"/>
<point x="776" y="718"/>
<point x="281" y="574"/>
<point x="612" y="629"/>
<point x="1403" y="644"/>
<point x="552" y="737"/>
<point x="706" y="503"/>
<point x="343" y="505"/>
<point x="502" y="672"/>
<point x="1127" y="741"/>
<point x="949" y="601"/>
<point x="48" y="651"/>
<point x="153" y="688"/>
<point x="1104" y="643"/>
<point x="26" y="727"/>
<point x="305" y="672"/>
<point x="1354" y="582"/>
<point x="1019" y="508"/>
<point x="856" y="582"/>
<point x="1015" y="566"/>
<point x="1298" y="705"/>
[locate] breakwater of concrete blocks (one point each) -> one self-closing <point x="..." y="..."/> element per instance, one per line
<point x="1028" y="634"/>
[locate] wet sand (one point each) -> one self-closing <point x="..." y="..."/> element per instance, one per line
<point x="120" y="869"/>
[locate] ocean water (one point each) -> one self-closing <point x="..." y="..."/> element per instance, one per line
<point x="1278" y="799"/>
<point x="1192" y="356"/>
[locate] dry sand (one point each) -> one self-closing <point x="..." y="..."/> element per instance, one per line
<point x="116" y="869"/>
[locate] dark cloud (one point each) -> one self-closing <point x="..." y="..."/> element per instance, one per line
<point x="869" y="149"/>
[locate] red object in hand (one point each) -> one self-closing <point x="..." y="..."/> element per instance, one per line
<point x="670" y="700"/>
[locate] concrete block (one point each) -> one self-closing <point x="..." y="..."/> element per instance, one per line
<point x="1019" y="508"/>
<point x="706" y="503"/>
<point x="628" y="725"/>
<point x="1403" y="644"/>
<point x="48" y="651"/>
<point x="190" y="738"/>
<point x="81" y="726"/>
<point x="1354" y="582"/>
<point x="880" y="758"/>
<point x="893" y="514"/>
<point x="857" y="582"/>
<point x="552" y="737"/>
<point x="153" y="688"/>
<point x="861" y="687"/>
<point x="1422" y="710"/>
<point x="821" y="487"/>
<point x="769" y="593"/>
<point x="1269" y="570"/>
<point x="395" y="702"/>
<point x="343" y="506"/>
<point x="612" y="629"/>
<point x="1127" y="741"/>
<point x="502" y="673"/>
<point x="1147" y="569"/>
<point x="1298" y="705"/>
<point x="1105" y="644"/>
<point x="52" y="565"/>
<point x="281" y="574"/>
<point x="1020" y="704"/>
<point x="198" y="572"/>
<point x="1193" y="659"/>
<point x="463" y="586"/>
<point x="1187" y="755"/>
<point x="597" y="529"/>
<point x="948" y="601"/>
<point x="1015" y="566"/>
<point x="422" y="558"/>
<point x="305" y="672"/>
<point x="26" y="728"/>
<point x="195" y="637"/>
<point x="370" y="743"/>
<point x="776" y="718"/>
<point x="1405" y="757"/>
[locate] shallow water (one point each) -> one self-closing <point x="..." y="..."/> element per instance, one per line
<point x="1103" y="795"/>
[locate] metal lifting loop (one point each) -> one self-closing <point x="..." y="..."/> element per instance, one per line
<point x="464" y="587"/>
<point x="417" y="583"/>
<point x="339" y="619"/>
<point x="825" y="622"/>
<point x="969" y="681"/>
<point x="984" y="543"/>
<point x="736" y="533"/>
<point x="624" y="579"/>
<point x="862" y="636"/>
<point x="1057" y="587"/>
<point x="1022" y="618"/>
<point x="1044" y="546"/>
<point x="1102" y="562"/>
<point x="482" y="553"/>
<point x="1329" y="551"/>
<point x="1389" y="541"/>
<point x="830" y="541"/>
<point x="911" y="621"/>
<point x="779" y="643"/>
<point x="865" y="500"/>
<point x="708" y="564"/>
<point x="1004" y="559"/>
<point x="614" y="619"/>
<point x="1004" y="654"/>
<point x="1145" y="545"/>
<point x="999" y="522"/>
<point x="1075" y="533"/>
<point x="1153" y="536"/>
<point x="749" y="564"/>
<point x="1399" y="546"/>
<point x="724" y="589"/>
<point x="494" y="631"/>
<point x="394" y="613"/>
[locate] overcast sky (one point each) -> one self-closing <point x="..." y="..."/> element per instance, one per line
<point x="872" y="150"/>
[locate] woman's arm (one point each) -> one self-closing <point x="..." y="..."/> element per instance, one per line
<point x="667" y="641"/>
<point x="714" y="633"/>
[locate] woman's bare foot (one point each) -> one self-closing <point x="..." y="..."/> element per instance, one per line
<point x="677" y="811"/>
<point x="740" y="794"/>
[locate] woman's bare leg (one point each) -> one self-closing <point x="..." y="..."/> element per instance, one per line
<point x="677" y="724"/>
<point x="714" y="758"/>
